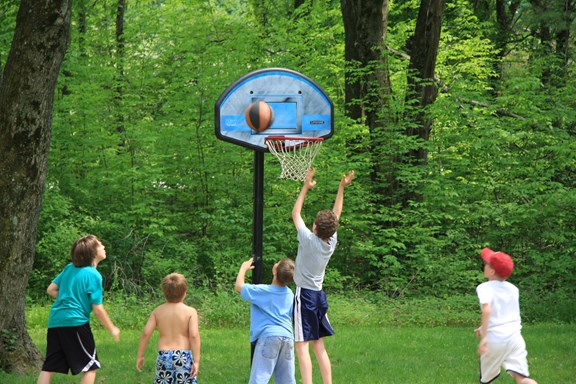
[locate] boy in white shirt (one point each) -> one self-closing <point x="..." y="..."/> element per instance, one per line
<point x="501" y="343"/>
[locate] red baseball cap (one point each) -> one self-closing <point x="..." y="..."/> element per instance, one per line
<point x="500" y="261"/>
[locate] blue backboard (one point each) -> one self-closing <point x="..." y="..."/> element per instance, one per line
<point x="301" y="108"/>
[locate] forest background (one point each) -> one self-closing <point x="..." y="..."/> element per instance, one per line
<point x="134" y="158"/>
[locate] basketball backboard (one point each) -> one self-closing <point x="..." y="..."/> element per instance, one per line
<point x="301" y="108"/>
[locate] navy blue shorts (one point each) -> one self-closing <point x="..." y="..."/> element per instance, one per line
<point x="310" y="315"/>
<point x="71" y="349"/>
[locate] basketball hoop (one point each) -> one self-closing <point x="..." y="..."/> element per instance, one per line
<point x="295" y="154"/>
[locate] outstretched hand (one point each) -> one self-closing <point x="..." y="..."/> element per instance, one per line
<point x="247" y="265"/>
<point x="309" y="181"/>
<point x="347" y="179"/>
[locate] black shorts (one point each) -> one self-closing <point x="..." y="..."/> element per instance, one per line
<point x="71" y="349"/>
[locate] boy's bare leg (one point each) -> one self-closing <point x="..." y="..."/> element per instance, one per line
<point x="323" y="360"/>
<point x="88" y="377"/>
<point x="44" y="377"/>
<point x="521" y="379"/>
<point x="304" y="361"/>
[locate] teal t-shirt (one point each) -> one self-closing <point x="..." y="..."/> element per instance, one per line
<point x="78" y="289"/>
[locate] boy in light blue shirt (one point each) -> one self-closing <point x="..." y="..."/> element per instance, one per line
<point x="270" y="323"/>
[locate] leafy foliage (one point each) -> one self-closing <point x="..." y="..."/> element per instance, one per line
<point x="134" y="158"/>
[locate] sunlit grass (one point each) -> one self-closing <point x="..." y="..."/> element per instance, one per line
<point x="376" y="342"/>
<point x="359" y="354"/>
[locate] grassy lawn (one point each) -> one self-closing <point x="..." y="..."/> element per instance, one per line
<point x="360" y="354"/>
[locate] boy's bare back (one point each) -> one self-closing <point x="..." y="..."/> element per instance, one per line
<point x="176" y="323"/>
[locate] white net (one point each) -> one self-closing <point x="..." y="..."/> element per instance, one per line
<point x="295" y="154"/>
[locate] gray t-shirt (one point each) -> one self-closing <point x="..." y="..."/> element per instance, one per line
<point x="312" y="258"/>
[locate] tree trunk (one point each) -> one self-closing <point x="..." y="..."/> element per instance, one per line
<point x="505" y="13"/>
<point x="366" y="91"/>
<point x="120" y="45"/>
<point x="367" y="85"/>
<point x="423" y="50"/>
<point x="421" y="88"/>
<point x="26" y="101"/>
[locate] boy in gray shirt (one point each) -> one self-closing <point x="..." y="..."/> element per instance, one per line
<point x="310" y="306"/>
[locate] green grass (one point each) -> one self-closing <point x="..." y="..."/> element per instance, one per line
<point x="359" y="354"/>
<point x="377" y="342"/>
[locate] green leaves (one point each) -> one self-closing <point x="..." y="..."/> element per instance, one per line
<point x="134" y="158"/>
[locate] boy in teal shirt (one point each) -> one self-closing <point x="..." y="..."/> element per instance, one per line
<point x="78" y="292"/>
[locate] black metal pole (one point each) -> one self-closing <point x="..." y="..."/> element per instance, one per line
<point x="257" y="224"/>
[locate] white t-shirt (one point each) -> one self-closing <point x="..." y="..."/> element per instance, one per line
<point x="503" y="298"/>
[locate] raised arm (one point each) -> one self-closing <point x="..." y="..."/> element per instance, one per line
<point x="194" y="336"/>
<point x="245" y="267"/>
<point x="309" y="183"/>
<point x="339" y="202"/>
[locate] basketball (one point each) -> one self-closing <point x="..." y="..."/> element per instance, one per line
<point x="259" y="116"/>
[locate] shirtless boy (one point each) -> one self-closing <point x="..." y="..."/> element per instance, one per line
<point x="179" y="342"/>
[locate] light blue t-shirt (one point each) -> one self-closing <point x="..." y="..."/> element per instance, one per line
<point x="78" y="289"/>
<point x="270" y="310"/>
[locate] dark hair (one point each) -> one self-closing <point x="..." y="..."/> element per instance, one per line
<point x="326" y="224"/>
<point x="174" y="286"/>
<point x="285" y="271"/>
<point x="84" y="250"/>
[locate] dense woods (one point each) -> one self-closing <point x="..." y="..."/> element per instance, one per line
<point x="459" y="119"/>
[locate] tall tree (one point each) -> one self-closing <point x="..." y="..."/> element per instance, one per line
<point x="120" y="45"/>
<point x="368" y="84"/>
<point x="421" y="88"/>
<point x="365" y="24"/>
<point x="367" y="80"/>
<point x="26" y="100"/>
<point x="505" y="17"/>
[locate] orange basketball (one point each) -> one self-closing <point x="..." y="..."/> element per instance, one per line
<point x="259" y="116"/>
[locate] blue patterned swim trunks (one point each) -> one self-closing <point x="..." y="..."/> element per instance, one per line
<point x="174" y="367"/>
